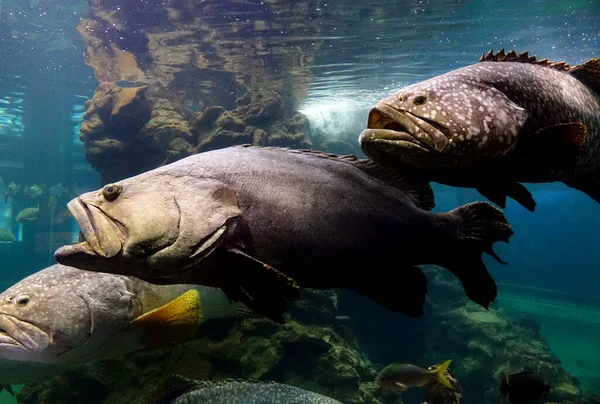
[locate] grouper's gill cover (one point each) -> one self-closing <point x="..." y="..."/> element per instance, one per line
<point x="63" y="315"/>
<point x="153" y="217"/>
<point x="494" y="124"/>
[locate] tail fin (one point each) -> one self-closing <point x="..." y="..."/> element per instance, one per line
<point x="479" y="226"/>
<point x="503" y="388"/>
<point x="439" y="372"/>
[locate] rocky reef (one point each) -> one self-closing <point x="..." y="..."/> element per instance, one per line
<point x="126" y="131"/>
<point x="179" y="77"/>
<point x="483" y="344"/>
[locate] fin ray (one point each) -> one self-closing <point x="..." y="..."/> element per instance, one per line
<point x="259" y="286"/>
<point x="174" y="322"/>
<point x="588" y="73"/>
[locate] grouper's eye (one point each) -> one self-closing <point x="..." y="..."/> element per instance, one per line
<point x="419" y="100"/>
<point x="111" y="191"/>
<point x="22" y="300"/>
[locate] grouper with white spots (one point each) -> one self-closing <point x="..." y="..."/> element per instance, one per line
<point x="180" y="390"/>
<point x="259" y="222"/>
<point x="66" y="316"/>
<point x="494" y="124"/>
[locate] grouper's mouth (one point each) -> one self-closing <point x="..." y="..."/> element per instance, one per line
<point x="389" y="128"/>
<point x="102" y="236"/>
<point x="17" y="336"/>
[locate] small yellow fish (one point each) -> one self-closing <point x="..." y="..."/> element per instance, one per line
<point x="401" y="376"/>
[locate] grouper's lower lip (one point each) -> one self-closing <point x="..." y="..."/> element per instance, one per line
<point x="6" y="339"/>
<point x="389" y="139"/>
<point x="73" y="249"/>
<point x="21" y="334"/>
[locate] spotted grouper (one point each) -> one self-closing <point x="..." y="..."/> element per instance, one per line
<point x="258" y="222"/>
<point x="65" y="316"/>
<point x="494" y="124"/>
<point x="179" y="390"/>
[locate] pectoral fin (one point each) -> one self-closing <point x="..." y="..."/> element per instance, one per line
<point x="259" y="286"/>
<point x="588" y="185"/>
<point x="175" y="322"/>
<point x="549" y="151"/>
<point x="497" y="193"/>
<point x="399" y="386"/>
<point x="558" y="146"/>
<point x="542" y="156"/>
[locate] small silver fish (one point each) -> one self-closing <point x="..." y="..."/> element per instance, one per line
<point x="33" y="191"/>
<point x="12" y="190"/>
<point x="28" y="215"/>
<point x="401" y="376"/>
<point x="59" y="191"/>
<point x="6" y="236"/>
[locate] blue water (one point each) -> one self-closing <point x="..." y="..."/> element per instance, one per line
<point x="351" y="54"/>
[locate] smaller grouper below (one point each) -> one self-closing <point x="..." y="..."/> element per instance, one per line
<point x="179" y="390"/>
<point x="260" y="222"/>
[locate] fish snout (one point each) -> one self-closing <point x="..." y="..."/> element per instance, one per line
<point x="394" y="123"/>
<point x="19" y="338"/>
<point x="101" y="236"/>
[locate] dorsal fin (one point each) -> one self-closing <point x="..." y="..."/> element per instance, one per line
<point x="588" y="73"/>
<point x="418" y="190"/>
<point x="523" y="57"/>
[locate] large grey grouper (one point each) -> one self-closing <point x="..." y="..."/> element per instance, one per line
<point x="179" y="390"/>
<point x="494" y="124"/>
<point x="257" y="222"/>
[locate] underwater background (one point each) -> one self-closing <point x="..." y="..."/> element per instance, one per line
<point x="317" y="67"/>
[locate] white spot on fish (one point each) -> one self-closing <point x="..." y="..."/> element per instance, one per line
<point x="473" y="131"/>
<point x="485" y="126"/>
